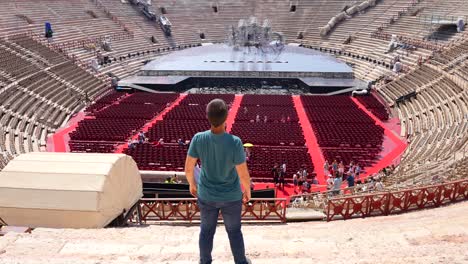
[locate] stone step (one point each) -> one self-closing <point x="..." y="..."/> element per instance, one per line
<point x="430" y="236"/>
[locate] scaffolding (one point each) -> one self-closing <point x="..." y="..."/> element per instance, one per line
<point x="432" y="22"/>
<point x="251" y="33"/>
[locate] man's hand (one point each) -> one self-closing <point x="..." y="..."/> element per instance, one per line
<point x="246" y="196"/>
<point x="244" y="176"/>
<point x="193" y="190"/>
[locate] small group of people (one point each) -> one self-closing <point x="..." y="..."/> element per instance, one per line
<point x="173" y="180"/>
<point x="336" y="167"/>
<point x="337" y="174"/>
<point x="279" y="173"/>
<point x="258" y="120"/>
<point x="141" y="138"/>
<point x="181" y="143"/>
<point x="351" y="177"/>
<point x="301" y="182"/>
<point x="370" y="184"/>
<point x="265" y="118"/>
<point x="161" y="142"/>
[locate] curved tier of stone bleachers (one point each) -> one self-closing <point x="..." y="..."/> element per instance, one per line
<point x="410" y="82"/>
<point x="435" y="121"/>
<point x="41" y="90"/>
<point x="195" y="17"/>
<point x="191" y="19"/>
<point x="413" y="24"/>
<point x="370" y="20"/>
<point x="455" y="52"/>
<point x="78" y="17"/>
<point x="353" y="34"/>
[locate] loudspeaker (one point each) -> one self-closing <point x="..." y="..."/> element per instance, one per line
<point x="68" y="190"/>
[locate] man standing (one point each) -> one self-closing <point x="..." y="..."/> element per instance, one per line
<point x="141" y="137"/>
<point x="337" y="184"/>
<point x="350" y="180"/>
<point x="275" y="172"/>
<point x="282" y="176"/>
<point x="222" y="172"/>
<point x="357" y="170"/>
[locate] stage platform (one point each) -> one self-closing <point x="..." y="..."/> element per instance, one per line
<point x="211" y="64"/>
<point x="223" y="58"/>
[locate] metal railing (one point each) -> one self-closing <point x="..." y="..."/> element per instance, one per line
<point x="152" y="210"/>
<point x="386" y="203"/>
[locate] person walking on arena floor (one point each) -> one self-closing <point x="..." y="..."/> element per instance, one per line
<point x="223" y="171"/>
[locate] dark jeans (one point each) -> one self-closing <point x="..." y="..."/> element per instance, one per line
<point x="231" y="212"/>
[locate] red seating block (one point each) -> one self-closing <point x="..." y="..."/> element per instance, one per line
<point x="375" y="106"/>
<point x="343" y="131"/>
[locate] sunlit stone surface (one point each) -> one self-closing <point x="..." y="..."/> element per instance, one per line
<point x="431" y="236"/>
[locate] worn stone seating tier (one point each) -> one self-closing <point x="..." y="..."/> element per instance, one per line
<point x="41" y="89"/>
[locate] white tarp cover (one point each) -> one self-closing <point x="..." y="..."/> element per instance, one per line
<point x="71" y="190"/>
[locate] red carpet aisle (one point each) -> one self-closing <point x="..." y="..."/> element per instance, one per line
<point x="158" y="118"/>
<point x="59" y="141"/>
<point x="400" y="145"/>
<point x="233" y="112"/>
<point x="311" y="141"/>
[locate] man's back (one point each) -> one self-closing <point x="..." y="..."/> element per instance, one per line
<point x="218" y="189"/>
<point x="219" y="154"/>
<point x="337" y="183"/>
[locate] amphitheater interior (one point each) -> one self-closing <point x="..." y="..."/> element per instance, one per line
<point x="43" y="86"/>
<point x="46" y="83"/>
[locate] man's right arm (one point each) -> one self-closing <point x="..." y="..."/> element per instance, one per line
<point x="244" y="176"/>
<point x="190" y="162"/>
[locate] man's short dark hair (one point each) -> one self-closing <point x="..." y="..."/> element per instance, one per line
<point x="217" y="112"/>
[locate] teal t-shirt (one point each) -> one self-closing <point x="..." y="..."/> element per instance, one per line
<point x="219" y="154"/>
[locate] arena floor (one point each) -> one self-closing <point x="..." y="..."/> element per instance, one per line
<point x="431" y="236"/>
